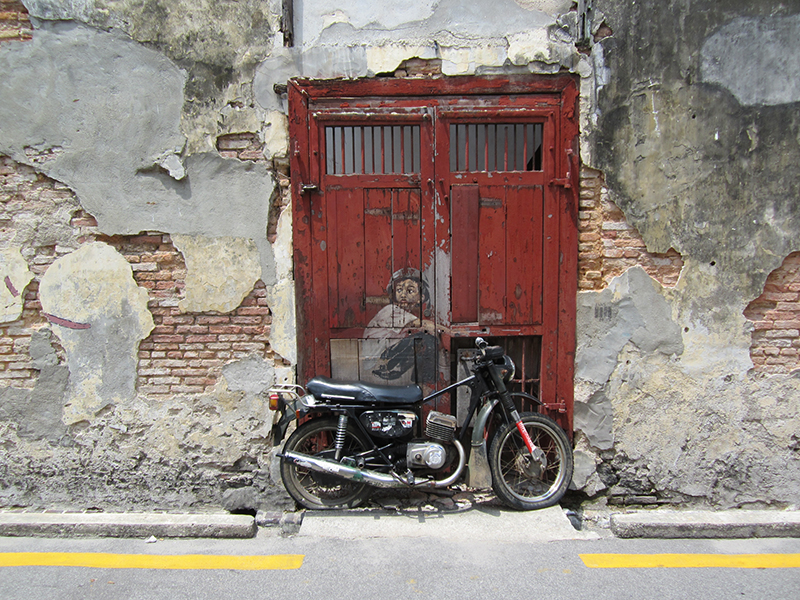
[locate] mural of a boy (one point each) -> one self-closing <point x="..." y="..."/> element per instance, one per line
<point x="398" y="358"/>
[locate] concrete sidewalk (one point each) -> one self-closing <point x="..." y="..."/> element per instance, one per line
<point x="487" y="523"/>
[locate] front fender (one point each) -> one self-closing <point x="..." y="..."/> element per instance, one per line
<point x="480" y="475"/>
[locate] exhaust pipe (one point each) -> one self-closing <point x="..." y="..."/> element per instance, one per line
<point x="373" y="478"/>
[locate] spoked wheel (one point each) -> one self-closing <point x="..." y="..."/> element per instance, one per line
<point x="524" y="482"/>
<point x="320" y="491"/>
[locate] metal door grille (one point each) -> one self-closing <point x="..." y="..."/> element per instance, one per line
<point x="367" y="150"/>
<point x="496" y="147"/>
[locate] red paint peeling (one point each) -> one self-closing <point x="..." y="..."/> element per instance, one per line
<point x="66" y="322"/>
<point x="11" y="287"/>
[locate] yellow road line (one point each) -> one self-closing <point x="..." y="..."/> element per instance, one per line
<point x="150" y="561"/>
<point x="671" y="561"/>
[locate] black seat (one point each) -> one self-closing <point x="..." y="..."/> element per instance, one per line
<point x="360" y="392"/>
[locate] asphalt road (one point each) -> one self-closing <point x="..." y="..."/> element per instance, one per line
<point x="348" y="565"/>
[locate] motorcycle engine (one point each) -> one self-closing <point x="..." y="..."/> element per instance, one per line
<point x="426" y="454"/>
<point x="433" y="455"/>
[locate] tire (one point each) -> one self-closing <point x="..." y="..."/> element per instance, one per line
<point x="518" y="481"/>
<point x="320" y="491"/>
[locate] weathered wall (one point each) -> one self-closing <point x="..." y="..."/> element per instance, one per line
<point x="697" y="133"/>
<point x="144" y="160"/>
<point x="146" y="239"/>
<point x="137" y="254"/>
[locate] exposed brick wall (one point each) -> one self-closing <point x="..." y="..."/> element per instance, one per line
<point x="776" y="319"/>
<point x="31" y="205"/>
<point x="608" y="246"/>
<point x="420" y="67"/>
<point x="15" y="24"/>
<point x="183" y="354"/>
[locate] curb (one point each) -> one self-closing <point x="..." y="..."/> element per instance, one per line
<point x="730" y="524"/>
<point x="127" y="525"/>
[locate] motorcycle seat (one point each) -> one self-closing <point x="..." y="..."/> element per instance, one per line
<point x="360" y="392"/>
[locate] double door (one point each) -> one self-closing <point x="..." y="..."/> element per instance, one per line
<point x="427" y="214"/>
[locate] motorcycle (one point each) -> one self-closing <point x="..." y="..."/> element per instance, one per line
<point x="354" y="436"/>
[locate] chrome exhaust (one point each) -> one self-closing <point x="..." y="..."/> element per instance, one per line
<point x="374" y="478"/>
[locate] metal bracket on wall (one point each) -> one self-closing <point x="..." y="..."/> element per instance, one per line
<point x="287" y="23"/>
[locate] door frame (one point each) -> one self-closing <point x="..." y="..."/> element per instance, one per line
<point x="557" y="370"/>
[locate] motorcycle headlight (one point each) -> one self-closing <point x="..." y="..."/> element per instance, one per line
<point x="507" y="369"/>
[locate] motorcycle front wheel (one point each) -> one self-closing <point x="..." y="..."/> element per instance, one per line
<point x="522" y="482"/>
<point x="321" y="491"/>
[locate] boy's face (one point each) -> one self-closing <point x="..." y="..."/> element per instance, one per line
<point x="406" y="294"/>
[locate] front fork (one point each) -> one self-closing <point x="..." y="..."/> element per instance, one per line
<point x="536" y="453"/>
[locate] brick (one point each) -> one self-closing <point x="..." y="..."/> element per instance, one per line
<point x="193" y="339"/>
<point x="193" y="329"/>
<point x="212" y="319"/>
<point x="187" y="389"/>
<point x="219" y="346"/>
<point x="162" y="339"/>
<point x="249" y="346"/>
<point x="246" y="320"/>
<point x="153" y="389"/>
<point x="224" y="329"/>
<point x="15" y="374"/>
<point x="153" y="372"/>
<point x="232" y="337"/>
<point x="178" y="320"/>
<point x="203" y="381"/>
<point x="250" y="310"/>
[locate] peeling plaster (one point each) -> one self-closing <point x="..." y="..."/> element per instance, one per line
<point x="217" y="43"/>
<point x="468" y="36"/>
<point x="94" y="285"/>
<point x="99" y="95"/>
<point x="220" y="272"/>
<point x="14" y="278"/>
<point x="281" y="295"/>
<point x="37" y="413"/>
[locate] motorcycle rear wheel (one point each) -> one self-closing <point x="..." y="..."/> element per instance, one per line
<point x="320" y="491"/>
<point x="520" y="482"/>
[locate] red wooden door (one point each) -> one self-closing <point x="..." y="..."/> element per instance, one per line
<point x="428" y="213"/>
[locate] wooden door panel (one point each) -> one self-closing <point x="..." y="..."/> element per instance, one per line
<point x="378" y="249"/>
<point x="524" y="233"/>
<point x="464" y="253"/>
<point x="346" y="260"/>
<point x="491" y="256"/>
<point x="497" y="257"/>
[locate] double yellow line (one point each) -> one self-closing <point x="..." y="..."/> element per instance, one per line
<point x="150" y="561"/>
<point x="672" y="561"/>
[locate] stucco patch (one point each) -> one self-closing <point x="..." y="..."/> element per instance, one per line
<point x="99" y="315"/>
<point x="14" y="278"/>
<point x="220" y="272"/>
<point x="630" y="309"/>
<point x="756" y="59"/>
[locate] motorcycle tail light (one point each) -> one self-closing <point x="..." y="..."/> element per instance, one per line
<point x="274" y="401"/>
